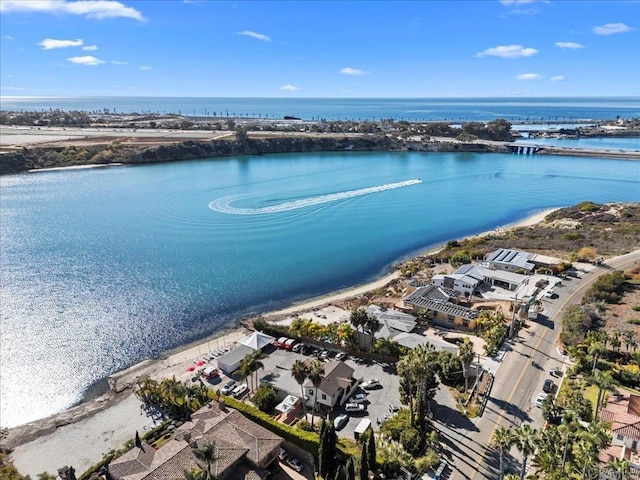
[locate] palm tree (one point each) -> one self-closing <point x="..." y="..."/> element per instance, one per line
<point x="567" y="430"/>
<point x="257" y="365"/>
<point x="316" y="375"/>
<point x="620" y="466"/>
<point x="503" y="439"/>
<point x="206" y="453"/>
<point x="358" y="318"/>
<point x="525" y="442"/>
<point x="466" y="354"/>
<point x="605" y="383"/>
<point x="629" y="339"/>
<point x="300" y="372"/>
<point x="595" y="350"/>
<point x="246" y="369"/>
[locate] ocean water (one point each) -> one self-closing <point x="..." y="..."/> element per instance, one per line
<point x="102" y="268"/>
<point x="530" y="109"/>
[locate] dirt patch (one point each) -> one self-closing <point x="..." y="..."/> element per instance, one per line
<point x="618" y="316"/>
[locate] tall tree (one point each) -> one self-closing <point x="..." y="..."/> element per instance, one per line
<point x="351" y="469"/>
<point x="466" y="354"/>
<point x="502" y="439"/>
<point x="364" y="463"/>
<point x="300" y="372"/>
<point x="371" y="450"/>
<point x="316" y="375"/>
<point x="525" y="442"/>
<point x="206" y="453"/>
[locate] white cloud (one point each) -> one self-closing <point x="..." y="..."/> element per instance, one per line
<point x="86" y="60"/>
<point x="145" y="68"/>
<point x="117" y="62"/>
<point x="611" y="28"/>
<point x="352" y="71"/>
<point x="289" y="88"/>
<point x="516" y="2"/>
<point x="50" y="43"/>
<point x="90" y="48"/>
<point x="13" y="88"/>
<point x="573" y="45"/>
<point x="256" y="35"/>
<point x="87" y="8"/>
<point x="558" y="78"/>
<point x="8" y="37"/>
<point x="528" y="76"/>
<point x="507" y="51"/>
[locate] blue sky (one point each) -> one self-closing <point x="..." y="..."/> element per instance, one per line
<point x="318" y="48"/>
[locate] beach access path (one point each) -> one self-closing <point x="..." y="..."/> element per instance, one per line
<point x="80" y="436"/>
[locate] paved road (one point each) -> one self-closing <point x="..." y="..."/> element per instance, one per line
<point x="517" y="383"/>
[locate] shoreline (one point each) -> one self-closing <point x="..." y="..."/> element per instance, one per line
<point x="173" y="362"/>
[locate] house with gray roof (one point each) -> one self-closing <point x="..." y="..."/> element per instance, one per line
<point x="439" y="305"/>
<point x="243" y="449"/>
<point x="336" y="387"/>
<point x="514" y="260"/>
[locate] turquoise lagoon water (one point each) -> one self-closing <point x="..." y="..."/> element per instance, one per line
<point x="102" y="268"/>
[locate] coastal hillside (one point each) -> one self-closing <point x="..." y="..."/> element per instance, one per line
<point x="119" y="151"/>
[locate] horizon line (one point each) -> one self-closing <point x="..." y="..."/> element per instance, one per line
<point x="320" y="97"/>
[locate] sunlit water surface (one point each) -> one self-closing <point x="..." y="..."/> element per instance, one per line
<point x="102" y="268"/>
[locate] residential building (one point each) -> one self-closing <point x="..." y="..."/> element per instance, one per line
<point x="243" y="449"/>
<point x="516" y="260"/>
<point x="336" y="387"/>
<point x="438" y="304"/>
<point x="623" y="412"/>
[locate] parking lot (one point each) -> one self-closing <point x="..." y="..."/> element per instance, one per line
<point x="277" y="366"/>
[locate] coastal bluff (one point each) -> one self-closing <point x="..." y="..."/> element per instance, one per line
<point x="126" y="150"/>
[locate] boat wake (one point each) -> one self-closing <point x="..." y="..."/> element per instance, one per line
<point x="223" y="204"/>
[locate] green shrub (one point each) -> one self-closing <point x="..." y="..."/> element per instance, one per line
<point x="265" y="398"/>
<point x="636" y="308"/>
<point x="588" y="207"/>
<point x="634" y="321"/>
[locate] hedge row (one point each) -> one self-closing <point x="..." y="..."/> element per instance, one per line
<point x="308" y="441"/>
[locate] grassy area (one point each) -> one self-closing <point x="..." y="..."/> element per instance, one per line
<point x="591" y="393"/>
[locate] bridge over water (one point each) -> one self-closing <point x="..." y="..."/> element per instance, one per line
<point x="532" y="149"/>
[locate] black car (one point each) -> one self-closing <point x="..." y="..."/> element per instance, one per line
<point x="548" y="386"/>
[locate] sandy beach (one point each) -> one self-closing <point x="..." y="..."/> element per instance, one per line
<point x="81" y="435"/>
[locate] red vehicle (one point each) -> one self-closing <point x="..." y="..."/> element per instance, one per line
<point x="210" y="373"/>
<point x="281" y="342"/>
<point x="288" y="345"/>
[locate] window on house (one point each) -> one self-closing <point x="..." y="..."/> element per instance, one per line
<point x="619" y="437"/>
<point x="465" y="323"/>
<point x="634" y="445"/>
<point x="324" y="397"/>
<point x="451" y="318"/>
<point x="310" y="391"/>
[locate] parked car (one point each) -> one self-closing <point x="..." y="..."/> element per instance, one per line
<point x="393" y="408"/>
<point x="298" y="347"/>
<point x="371" y="383"/>
<point x="283" y="455"/>
<point x="340" y="421"/>
<point x="556" y="372"/>
<point x="326" y="354"/>
<point x="548" y="386"/>
<point x="289" y="344"/>
<point x="341" y="356"/>
<point x="358" y="398"/>
<point x="295" y="464"/>
<point x="240" y="390"/>
<point x="281" y="341"/>
<point x="354" y="407"/>
<point x="228" y="387"/>
<point x="540" y="398"/>
<point x="550" y="294"/>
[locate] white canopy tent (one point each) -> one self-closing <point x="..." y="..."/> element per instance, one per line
<point x="256" y="341"/>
